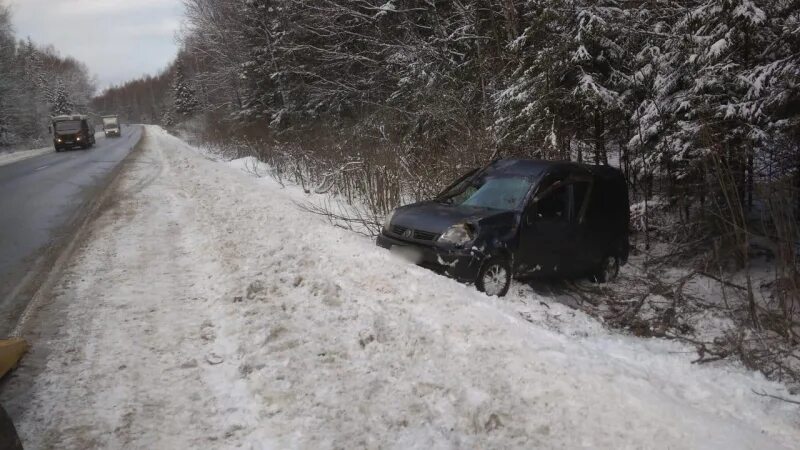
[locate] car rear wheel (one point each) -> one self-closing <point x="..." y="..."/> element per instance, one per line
<point x="608" y="270"/>
<point x="494" y="277"/>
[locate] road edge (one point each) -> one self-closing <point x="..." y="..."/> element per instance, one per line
<point x="59" y="253"/>
<point x="29" y="154"/>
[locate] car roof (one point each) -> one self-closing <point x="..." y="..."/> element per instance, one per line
<point x="69" y="117"/>
<point x="538" y="167"/>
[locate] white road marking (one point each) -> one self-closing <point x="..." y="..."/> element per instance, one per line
<point x="41" y="168"/>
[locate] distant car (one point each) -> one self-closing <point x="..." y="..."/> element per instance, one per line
<point x="518" y="218"/>
<point x="111" y="126"/>
<point x="72" y="131"/>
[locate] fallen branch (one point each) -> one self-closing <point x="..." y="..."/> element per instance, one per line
<point x="726" y="283"/>
<point x="764" y="394"/>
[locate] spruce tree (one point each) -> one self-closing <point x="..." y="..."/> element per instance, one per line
<point x="167" y="120"/>
<point x="60" y="104"/>
<point x="185" y="100"/>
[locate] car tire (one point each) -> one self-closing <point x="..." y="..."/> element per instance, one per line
<point x="607" y="271"/>
<point x="494" y="278"/>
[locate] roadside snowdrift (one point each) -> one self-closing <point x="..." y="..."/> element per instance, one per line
<point x="20" y="155"/>
<point x="256" y="324"/>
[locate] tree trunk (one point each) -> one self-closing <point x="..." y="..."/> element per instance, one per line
<point x="741" y="175"/>
<point x="797" y="182"/>
<point x="750" y="179"/>
<point x="512" y="19"/>
<point x="600" y="156"/>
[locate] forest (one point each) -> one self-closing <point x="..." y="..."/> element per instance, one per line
<point x="381" y="102"/>
<point x="35" y="84"/>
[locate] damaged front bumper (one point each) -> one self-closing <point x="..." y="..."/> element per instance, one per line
<point x="461" y="264"/>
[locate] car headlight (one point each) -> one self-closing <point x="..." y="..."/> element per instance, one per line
<point x="457" y="235"/>
<point x="387" y="223"/>
<point x="59" y="140"/>
<point x="78" y="138"/>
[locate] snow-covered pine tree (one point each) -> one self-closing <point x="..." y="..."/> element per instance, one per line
<point x="186" y="103"/>
<point x="727" y="39"/>
<point x="60" y="103"/>
<point x="773" y="96"/>
<point x="35" y="105"/>
<point x="274" y="91"/>
<point x="570" y="77"/>
<point x="167" y="120"/>
<point x="533" y="111"/>
<point x="660" y="74"/>
<point x="441" y="79"/>
<point x="600" y="52"/>
<point x="8" y="85"/>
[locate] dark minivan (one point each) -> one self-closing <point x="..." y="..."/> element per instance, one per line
<point x="518" y="218"/>
<point x="72" y="131"/>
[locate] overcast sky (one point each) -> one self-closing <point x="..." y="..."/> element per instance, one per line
<point x="118" y="39"/>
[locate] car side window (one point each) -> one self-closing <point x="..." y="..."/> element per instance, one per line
<point x="554" y="206"/>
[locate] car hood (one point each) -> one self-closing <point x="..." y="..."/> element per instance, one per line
<point x="435" y="217"/>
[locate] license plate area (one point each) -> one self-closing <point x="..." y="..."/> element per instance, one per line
<point x="410" y="254"/>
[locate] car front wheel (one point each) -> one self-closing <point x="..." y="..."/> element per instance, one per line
<point x="494" y="277"/>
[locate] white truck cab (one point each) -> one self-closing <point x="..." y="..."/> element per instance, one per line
<point x="111" y="126"/>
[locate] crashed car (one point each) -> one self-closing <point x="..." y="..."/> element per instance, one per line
<point x="518" y="218"/>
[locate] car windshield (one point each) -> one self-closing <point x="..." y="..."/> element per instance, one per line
<point x="506" y="193"/>
<point x="110" y="122"/>
<point x="68" y="126"/>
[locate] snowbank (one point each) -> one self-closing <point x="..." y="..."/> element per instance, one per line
<point x="555" y="375"/>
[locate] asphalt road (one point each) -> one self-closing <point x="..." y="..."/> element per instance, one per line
<point x="41" y="199"/>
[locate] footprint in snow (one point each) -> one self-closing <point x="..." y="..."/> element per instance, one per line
<point x="214" y="359"/>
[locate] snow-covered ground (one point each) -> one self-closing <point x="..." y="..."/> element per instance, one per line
<point x="19" y="155"/>
<point x="208" y="311"/>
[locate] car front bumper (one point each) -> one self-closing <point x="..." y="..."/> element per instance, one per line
<point x="461" y="264"/>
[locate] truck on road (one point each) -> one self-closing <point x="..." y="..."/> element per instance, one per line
<point x="72" y="131"/>
<point x="111" y="126"/>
